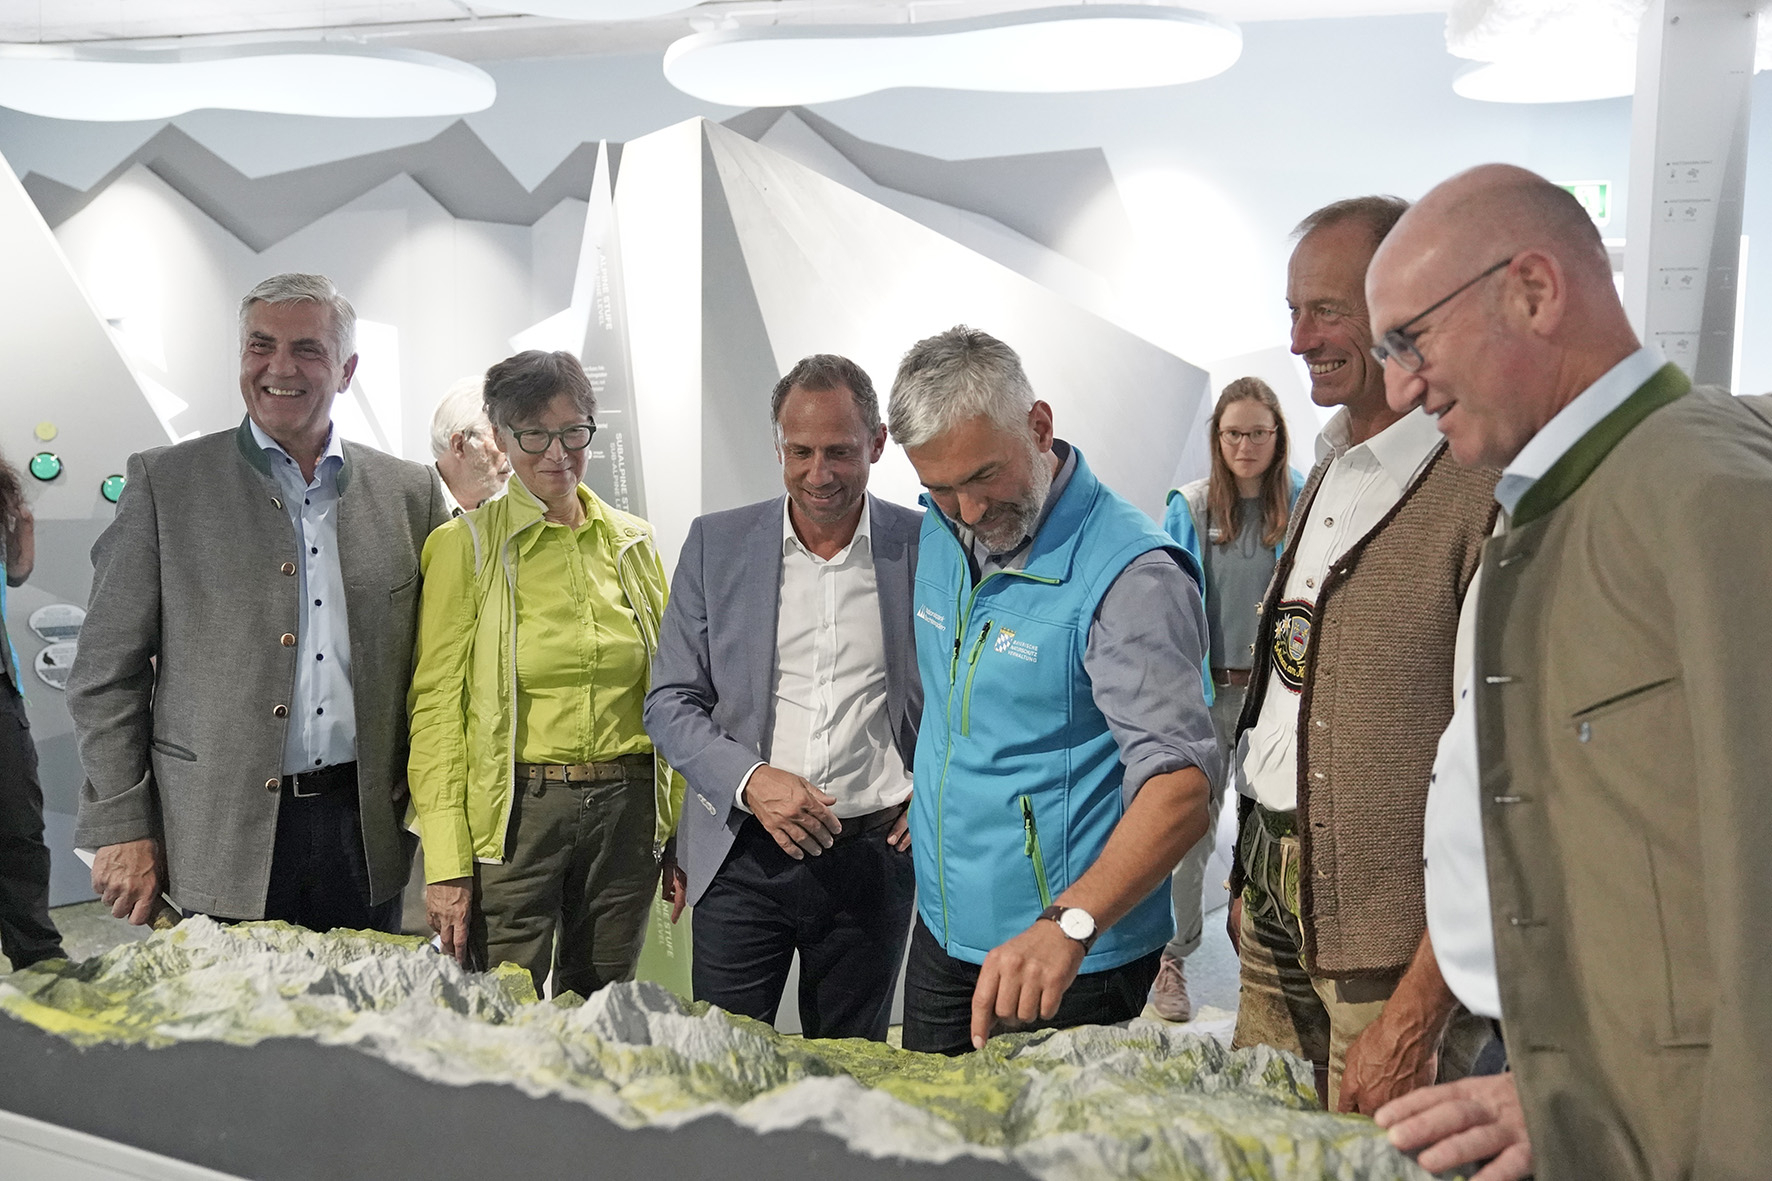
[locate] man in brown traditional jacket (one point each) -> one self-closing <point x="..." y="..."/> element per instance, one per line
<point x="1621" y="701"/>
<point x="1347" y="696"/>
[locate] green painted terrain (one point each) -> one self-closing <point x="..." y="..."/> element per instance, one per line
<point x="1146" y="1101"/>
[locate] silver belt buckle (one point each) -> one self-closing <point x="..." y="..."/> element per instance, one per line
<point x="296" y="792"/>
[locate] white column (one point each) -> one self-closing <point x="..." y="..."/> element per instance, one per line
<point x="1688" y="168"/>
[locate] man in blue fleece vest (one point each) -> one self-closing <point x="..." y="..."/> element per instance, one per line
<point x="1061" y="764"/>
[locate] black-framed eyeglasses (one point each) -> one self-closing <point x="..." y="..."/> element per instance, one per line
<point x="574" y="438"/>
<point x="1399" y="343"/>
<point x="1258" y="436"/>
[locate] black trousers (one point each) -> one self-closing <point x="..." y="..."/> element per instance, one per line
<point x="845" y="911"/>
<point x="938" y="996"/>
<point x="319" y="872"/>
<point x="26" y="934"/>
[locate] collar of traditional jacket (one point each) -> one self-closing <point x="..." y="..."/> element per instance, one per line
<point x="1569" y="472"/>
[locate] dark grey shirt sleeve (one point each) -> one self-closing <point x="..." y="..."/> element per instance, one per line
<point x="1143" y="660"/>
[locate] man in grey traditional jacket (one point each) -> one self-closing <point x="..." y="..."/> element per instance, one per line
<point x="240" y="692"/>
<point x="1609" y="763"/>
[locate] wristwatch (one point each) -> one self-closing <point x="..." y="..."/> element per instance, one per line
<point x="1075" y="922"/>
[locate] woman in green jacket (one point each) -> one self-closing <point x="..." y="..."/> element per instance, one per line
<point x="535" y="791"/>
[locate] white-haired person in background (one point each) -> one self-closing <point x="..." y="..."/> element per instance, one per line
<point x="472" y="467"/>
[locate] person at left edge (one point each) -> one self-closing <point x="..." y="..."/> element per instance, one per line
<point x="1063" y="755"/>
<point x="27" y="936"/>
<point x="786" y="688"/>
<point x="239" y="694"/>
<point x="535" y="790"/>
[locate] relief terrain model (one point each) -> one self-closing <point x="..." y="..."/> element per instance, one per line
<point x="1146" y="1101"/>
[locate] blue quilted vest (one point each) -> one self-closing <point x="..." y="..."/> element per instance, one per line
<point x="1017" y="774"/>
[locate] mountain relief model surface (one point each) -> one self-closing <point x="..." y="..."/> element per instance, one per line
<point x="1146" y="1101"/>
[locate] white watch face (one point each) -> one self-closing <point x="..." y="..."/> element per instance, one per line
<point x="1078" y="924"/>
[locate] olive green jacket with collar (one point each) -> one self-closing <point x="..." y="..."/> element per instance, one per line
<point x="463" y="701"/>
<point x="1624" y="722"/>
<point x="180" y="692"/>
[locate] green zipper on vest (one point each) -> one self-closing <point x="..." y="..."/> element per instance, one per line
<point x="962" y="623"/>
<point x="1031" y="847"/>
<point x="971" y="671"/>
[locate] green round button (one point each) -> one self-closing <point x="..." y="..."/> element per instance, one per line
<point x="111" y="488"/>
<point x="46" y="465"/>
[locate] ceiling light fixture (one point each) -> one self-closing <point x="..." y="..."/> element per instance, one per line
<point x="1534" y="51"/>
<point x="1083" y="47"/>
<point x="592" y="10"/>
<point x="298" y="78"/>
<point x="1544" y="78"/>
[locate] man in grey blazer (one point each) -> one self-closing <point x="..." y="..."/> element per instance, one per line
<point x="786" y="692"/>
<point x="240" y="692"/>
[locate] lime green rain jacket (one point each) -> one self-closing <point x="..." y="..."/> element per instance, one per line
<point x="462" y="703"/>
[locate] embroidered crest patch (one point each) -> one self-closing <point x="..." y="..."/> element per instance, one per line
<point x="1292" y="642"/>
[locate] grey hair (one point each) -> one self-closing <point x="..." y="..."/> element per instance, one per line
<point x="828" y="371"/>
<point x="292" y="287"/>
<point x="957" y="375"/>
<point x="1379" y="214"/>
<point x="462" y="409"/>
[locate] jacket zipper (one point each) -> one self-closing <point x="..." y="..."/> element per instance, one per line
<point x="971" y="671"/>
<point x="962" y="623"/>
<point x="1031" y="847"/>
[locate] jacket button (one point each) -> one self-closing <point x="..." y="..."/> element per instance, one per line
<point x="273" y="784"/>
<point x="288" y="639"/>
<point x="276" y="502"/>
<point x="280" y="711"/>
<point x="287" y="567"/>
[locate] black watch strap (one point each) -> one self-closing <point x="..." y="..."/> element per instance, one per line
<point x="1052" y="912"/>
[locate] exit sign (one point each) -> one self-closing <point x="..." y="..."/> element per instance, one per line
<point x="1595" y="197"/>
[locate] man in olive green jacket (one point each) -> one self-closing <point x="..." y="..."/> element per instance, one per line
<point x="1622" y="735"/>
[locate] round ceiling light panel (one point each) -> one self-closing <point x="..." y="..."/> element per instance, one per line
<point x="1043" y="50"/>
<point x="1535" y="79"/>
<point x="592" y="10"/>
<point x="296" y="78"/>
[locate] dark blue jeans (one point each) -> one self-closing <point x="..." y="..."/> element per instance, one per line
<point x="938" y="996"/>
<point x="846" y="911"/>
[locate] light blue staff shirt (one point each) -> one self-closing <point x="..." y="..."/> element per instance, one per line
<point x="322" y="719"/>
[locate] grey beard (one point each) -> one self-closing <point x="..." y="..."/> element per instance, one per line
<point x="1026" y="511"/>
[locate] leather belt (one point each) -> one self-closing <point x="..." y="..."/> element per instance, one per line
<point x="855" y="826"/>
<point x="1231" y="676"/>
<point x="322" y="781"/>
<point x="622" y="767"/>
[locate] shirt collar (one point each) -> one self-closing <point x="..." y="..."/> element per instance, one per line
<point x="864" y="531"/>
<point x="1399" y="449"/>
<point x="334" y="448"/>
<point x="1580" y="416"/>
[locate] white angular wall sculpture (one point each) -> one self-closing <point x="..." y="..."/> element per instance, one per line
<point x="740" y="261"/>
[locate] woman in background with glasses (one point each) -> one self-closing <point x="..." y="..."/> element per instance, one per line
<point x="535" y="791"/>
<point x="1241" y="511"/>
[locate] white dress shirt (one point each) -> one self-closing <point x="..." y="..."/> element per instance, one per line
<point x="1362" y="484"/>
<point x="832" y="726"/>
<point x="1457" y="878"/>
<point x="322" y="718"/>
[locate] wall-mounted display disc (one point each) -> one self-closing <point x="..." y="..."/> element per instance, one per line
<point x="111" y="488"/>
<point x="46" y="465"/>
<point x="58" y="622"/>
<point x="54" y="664"/>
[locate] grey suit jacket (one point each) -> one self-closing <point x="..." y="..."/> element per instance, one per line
<point x="181" y="671"/>
<point x="710" y="711"/>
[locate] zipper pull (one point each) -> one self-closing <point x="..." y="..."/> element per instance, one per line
<point x="1027" y="826"/>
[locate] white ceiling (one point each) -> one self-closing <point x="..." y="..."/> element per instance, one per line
<point x="481" y="30"/>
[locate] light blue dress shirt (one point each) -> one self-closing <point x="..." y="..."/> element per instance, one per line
<point x="322" y="719"/>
